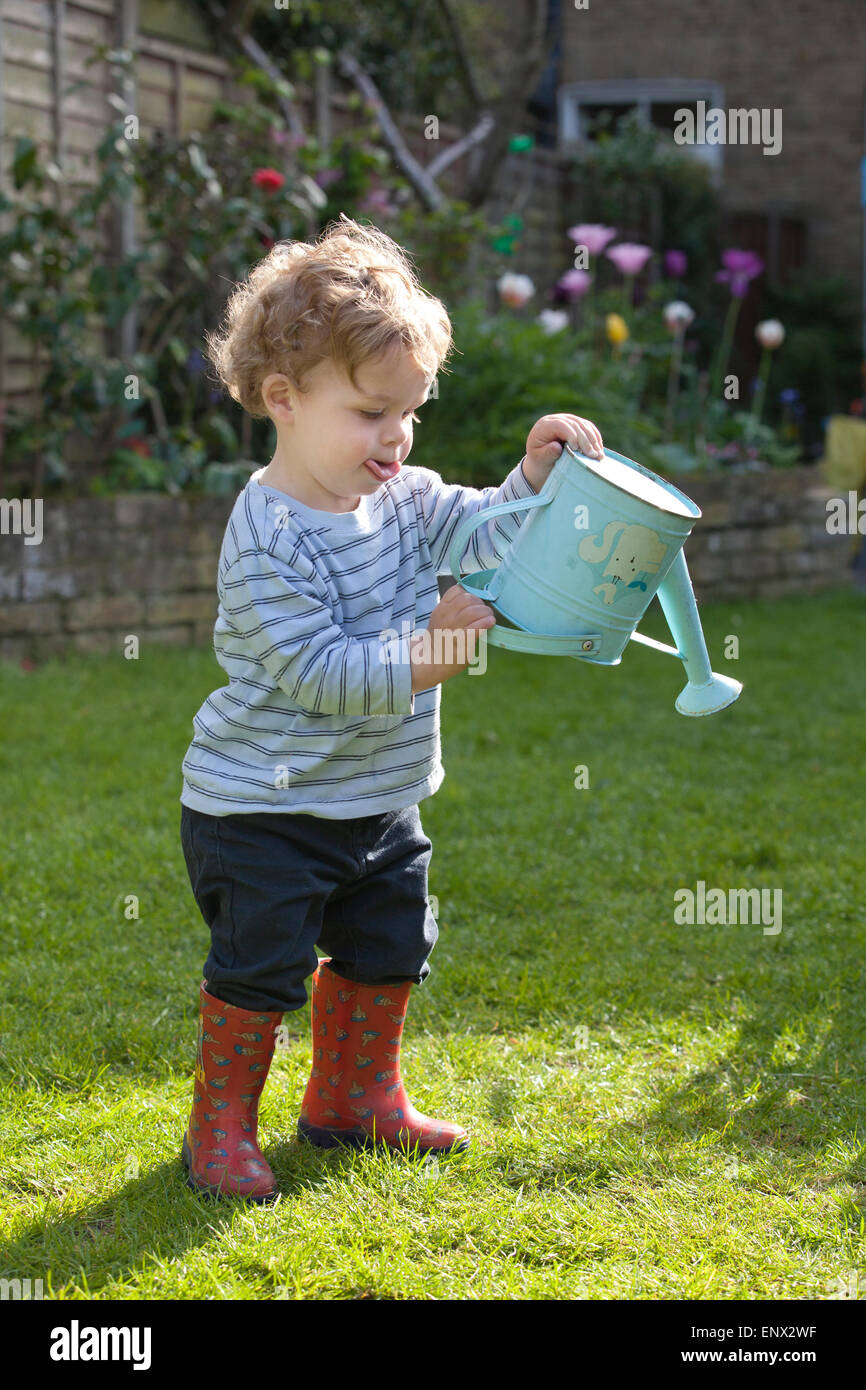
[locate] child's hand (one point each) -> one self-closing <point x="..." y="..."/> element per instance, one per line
<point x="450" y="642"/>
<point x="545" y="441"/>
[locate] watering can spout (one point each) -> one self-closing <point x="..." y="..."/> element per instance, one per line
<point x="705" y="691"/>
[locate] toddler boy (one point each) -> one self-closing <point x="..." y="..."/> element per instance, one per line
<point x="299" y="822"/>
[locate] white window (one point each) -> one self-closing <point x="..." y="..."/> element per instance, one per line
<point x="656" y="101"/>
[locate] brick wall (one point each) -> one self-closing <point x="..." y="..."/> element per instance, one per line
<point x="146" y="564"/>
<point x="805" y="57"/>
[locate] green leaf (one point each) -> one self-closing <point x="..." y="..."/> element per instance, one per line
<point x="24" y="162"/>
<point x="194" y="266"/>
<point x="674" y="458"/>
<point x="220" y="437"/>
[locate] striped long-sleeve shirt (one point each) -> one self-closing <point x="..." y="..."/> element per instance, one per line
<point x="312" y="630"/>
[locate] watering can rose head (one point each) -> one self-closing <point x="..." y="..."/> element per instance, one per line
<point x="548" y="435"/>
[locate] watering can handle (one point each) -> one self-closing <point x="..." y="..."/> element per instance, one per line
<point x="514" y="638"/>
<point x="458" y="545"/>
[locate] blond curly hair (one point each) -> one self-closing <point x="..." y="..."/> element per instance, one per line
<point x="350" y="296"/>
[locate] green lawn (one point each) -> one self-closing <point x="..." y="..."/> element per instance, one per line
<point x="658" y="1111"/>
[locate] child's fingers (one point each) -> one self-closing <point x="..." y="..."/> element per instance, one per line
<point x="589" y="440"/>
<point x="470" y="611"/>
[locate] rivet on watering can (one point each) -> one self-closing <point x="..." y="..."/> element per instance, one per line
<point x="587" y="646"/>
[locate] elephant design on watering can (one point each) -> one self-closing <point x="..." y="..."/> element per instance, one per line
<point x="627" y="552"/>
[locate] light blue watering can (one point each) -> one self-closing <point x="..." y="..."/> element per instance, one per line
<point x="601" y="538"/>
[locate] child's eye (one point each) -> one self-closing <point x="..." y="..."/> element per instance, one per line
<point x="377" y="415"/>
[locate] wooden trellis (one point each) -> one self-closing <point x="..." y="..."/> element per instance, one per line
<point x="43" y="48"/>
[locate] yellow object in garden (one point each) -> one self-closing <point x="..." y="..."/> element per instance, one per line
<point x="844" y="462"/>
<point x="616" y="329"/>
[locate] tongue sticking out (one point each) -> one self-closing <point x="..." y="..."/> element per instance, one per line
<point x="383" y="471"/>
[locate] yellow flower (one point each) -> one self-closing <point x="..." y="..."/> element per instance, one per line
<point x="616" y="329"/>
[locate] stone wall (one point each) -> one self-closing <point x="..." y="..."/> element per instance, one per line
<point x="145" y="565"/>
<point x="764" y="535"/>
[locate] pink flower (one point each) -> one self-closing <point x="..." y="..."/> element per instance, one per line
<point x="740" y="268"/>
<point x="327" y="176"/>
<point x="676" y="264"/>
<point x="268" y="179"/>
<point x="592" y="235"/>
<point x="378" y="201"/>
<point x="629" y="257"/>
<point x="574" y="283"/>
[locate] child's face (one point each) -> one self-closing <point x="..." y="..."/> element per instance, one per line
<point x="329" y="439"/>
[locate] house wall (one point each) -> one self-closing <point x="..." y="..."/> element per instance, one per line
<point x="806" y="57"/>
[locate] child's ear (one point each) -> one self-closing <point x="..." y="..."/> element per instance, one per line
<point x="278" y="397"/>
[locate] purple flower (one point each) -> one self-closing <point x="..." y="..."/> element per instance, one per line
<point x="740" y="268"/>
<point x="789" y="395"/>
<point x="195" y="362"/>
<point x="327" y="176"/>
<point x="574" y="283"/>
<point x="676" y="264"/>
<point x="592" y="235"/>
<point x="629" y="257"/>
<point x="377" y="201"/>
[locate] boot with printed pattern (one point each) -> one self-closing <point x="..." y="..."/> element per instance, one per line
<point x="355" y="1095"/>
<point x="233" y="1057"/>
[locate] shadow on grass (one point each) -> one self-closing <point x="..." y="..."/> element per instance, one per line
<point x="158" y="1217"/>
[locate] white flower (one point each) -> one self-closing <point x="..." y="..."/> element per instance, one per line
<point x="515" y="289"/>
<point x="19" y="262"/>
<point x="553" y="320"/>
<point x="770" y="333"/>
<point x="678" y="315"/>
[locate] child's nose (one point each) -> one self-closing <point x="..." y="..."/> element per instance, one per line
<point x="395" y="436"/>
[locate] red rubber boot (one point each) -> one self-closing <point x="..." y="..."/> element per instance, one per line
<point x="233" y="1057"/>
<point x="355" y="1095"/>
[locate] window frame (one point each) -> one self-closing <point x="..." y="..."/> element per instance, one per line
<point x="639" y="92"/>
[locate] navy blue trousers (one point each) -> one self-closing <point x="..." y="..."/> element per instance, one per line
<point x="272" y="886"/>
